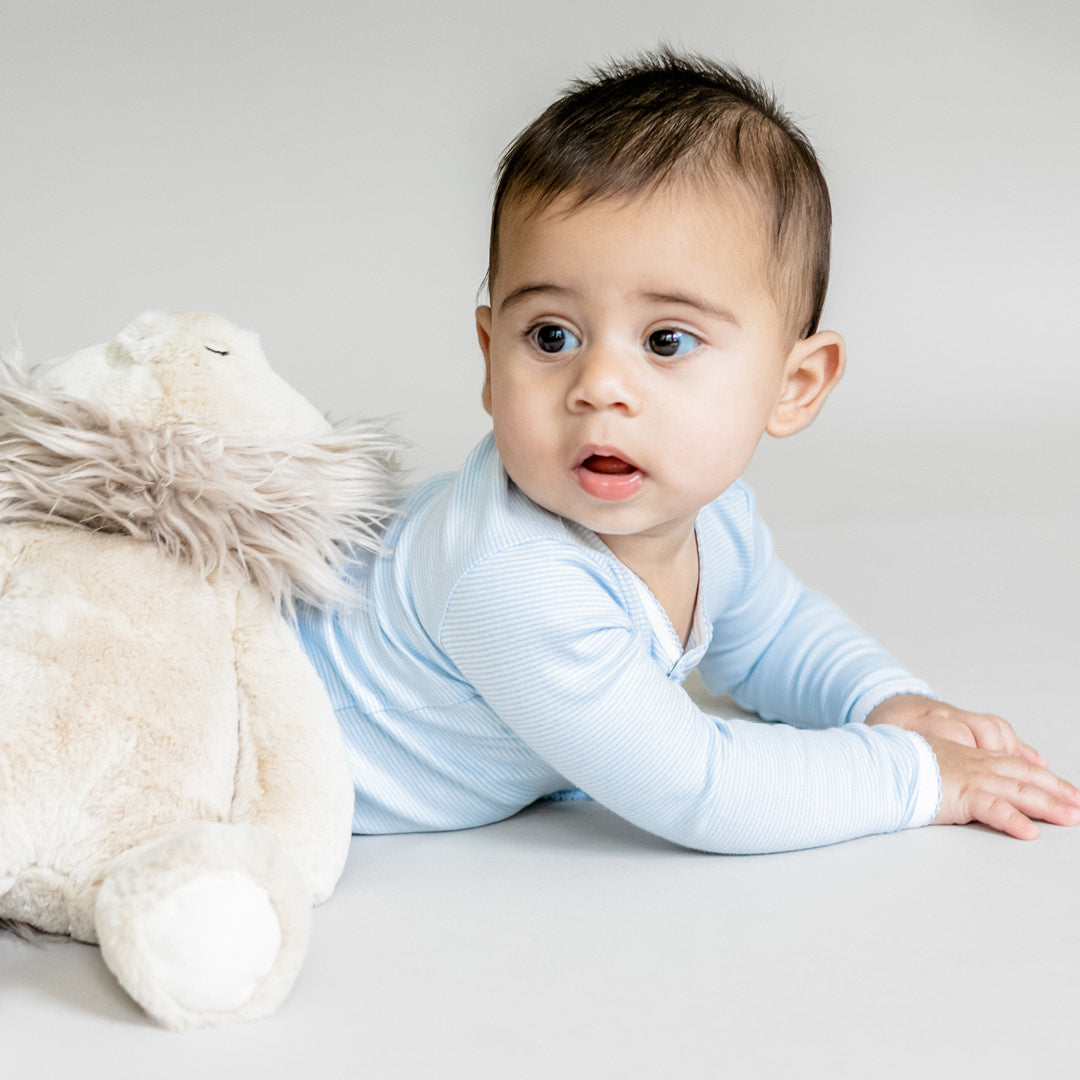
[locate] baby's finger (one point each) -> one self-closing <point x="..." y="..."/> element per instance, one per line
<point x="1034" y="791"/>
<point x="993" y="733"/>
<point x="999" y="813"/>
<point x="1056" y="807"/>
<point x="1029" y="753"/>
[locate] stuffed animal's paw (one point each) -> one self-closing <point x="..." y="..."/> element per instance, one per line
<point x="210" y="941"/>
<point x="205" y="927"/>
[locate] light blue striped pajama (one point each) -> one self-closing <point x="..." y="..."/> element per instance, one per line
<point x="503" y="653"/>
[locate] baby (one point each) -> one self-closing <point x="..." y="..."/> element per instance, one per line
<point x="659" y="258"/>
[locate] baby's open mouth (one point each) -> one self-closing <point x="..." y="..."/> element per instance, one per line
<point x="608" y="476"/>
<point x="607" y="465"/>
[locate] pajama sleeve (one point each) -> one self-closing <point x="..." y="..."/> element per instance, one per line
<point x="549" y="645"/>
<point x="787" y="653"/>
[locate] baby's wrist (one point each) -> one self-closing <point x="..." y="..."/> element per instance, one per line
<point x="890" y="699"/>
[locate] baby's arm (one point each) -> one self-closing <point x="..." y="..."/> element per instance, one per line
<point x="790" y="654"/>
<point x="777" y="648"/>
<point x="987" y="773"/>
<point x="544" y="639"/>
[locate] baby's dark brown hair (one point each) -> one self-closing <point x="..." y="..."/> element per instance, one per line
<point x="634" y="125"/>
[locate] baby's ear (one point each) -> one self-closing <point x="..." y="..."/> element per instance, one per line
<point x="483" y="334"/>
<point x="813" y="368"/>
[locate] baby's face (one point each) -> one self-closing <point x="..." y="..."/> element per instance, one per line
<point x="635" y="355"/>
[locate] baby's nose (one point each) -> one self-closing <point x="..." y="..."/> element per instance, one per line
<point x="604" y="379"/>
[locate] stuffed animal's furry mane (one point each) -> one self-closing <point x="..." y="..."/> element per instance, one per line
<point x="285" y="515"/>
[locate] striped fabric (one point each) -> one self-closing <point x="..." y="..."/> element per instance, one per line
<point x="502" y="654"/>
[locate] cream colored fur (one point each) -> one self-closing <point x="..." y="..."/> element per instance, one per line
<point x="171" y="772"/>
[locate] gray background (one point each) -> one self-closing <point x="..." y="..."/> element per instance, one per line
<point x="321" y="173"/>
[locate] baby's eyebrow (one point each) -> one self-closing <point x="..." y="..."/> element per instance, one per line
<point x="528" y="290"/>
<point x="702" y="305"/>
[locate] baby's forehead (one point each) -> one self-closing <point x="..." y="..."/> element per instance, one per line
<point x="733" y="202"/>
<point x="699" y="219"/>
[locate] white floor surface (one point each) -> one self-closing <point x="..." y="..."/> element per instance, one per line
<point x="565" y="942"/>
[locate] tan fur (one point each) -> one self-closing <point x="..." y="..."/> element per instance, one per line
<point x="285" y="514"/>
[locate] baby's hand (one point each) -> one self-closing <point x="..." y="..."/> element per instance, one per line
<point x="936" y="719"/>
<point x="987" y="773"/>
<point x="1000" y="789"/>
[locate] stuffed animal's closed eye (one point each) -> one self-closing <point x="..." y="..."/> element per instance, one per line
<point x="172" y="780"/>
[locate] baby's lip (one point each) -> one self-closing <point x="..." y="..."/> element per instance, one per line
<point x="607" y="460"/>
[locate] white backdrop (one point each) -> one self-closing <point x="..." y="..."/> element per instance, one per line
<point x="320" y="172"/>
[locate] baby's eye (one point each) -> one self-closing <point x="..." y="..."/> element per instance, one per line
<point x="670" y="342"/>
<point x="552" y="339"/>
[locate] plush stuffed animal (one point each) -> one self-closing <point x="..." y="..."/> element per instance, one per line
<point x="173" y="784"/>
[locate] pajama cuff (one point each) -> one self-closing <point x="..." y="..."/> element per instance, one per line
<point x="928" y="789"/>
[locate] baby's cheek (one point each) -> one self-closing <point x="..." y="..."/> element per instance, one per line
<point x="521" y="453"/>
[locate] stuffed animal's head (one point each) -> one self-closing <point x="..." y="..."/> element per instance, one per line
<point x="179" y="433"/>
<point x="187" y="368"/>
